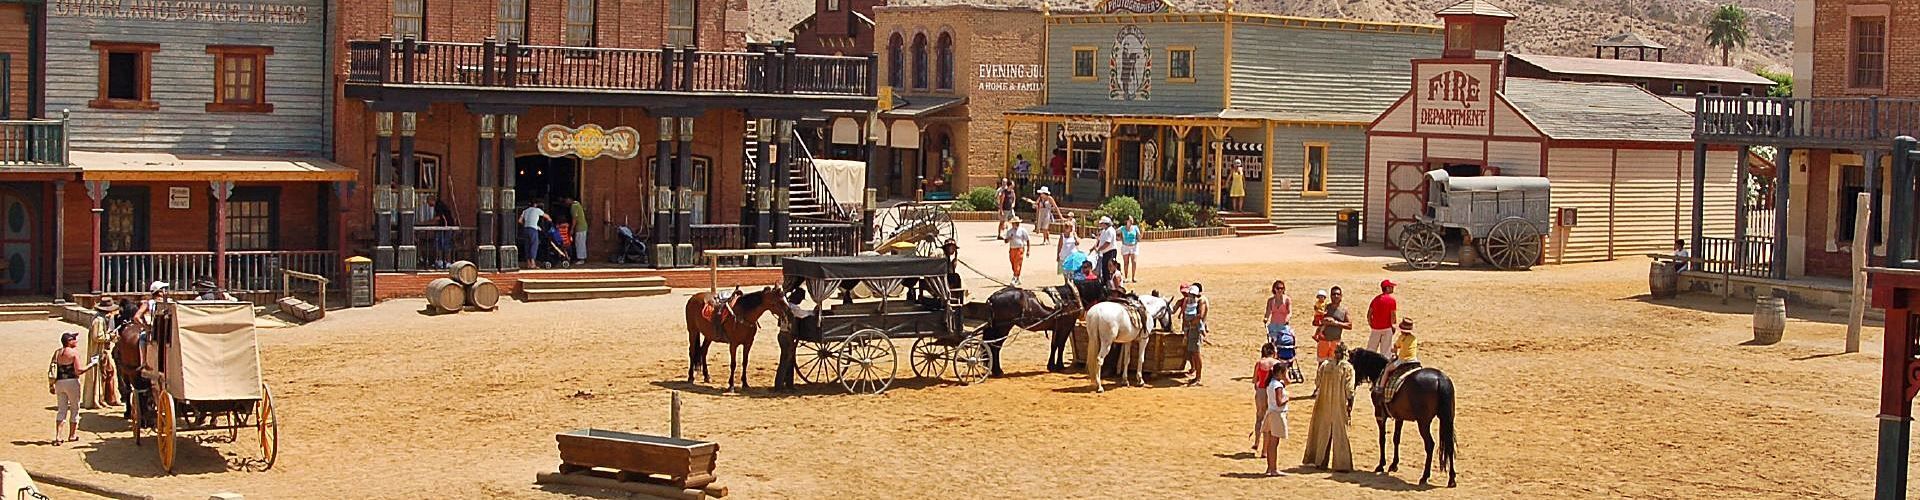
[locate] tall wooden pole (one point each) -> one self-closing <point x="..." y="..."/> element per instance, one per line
<point x="97" y="193"/>
<point x="1783" y="166"/>
<point x="383" y="195"/>
<point x="407" y="255"/>
<point x="1857" y="315"/>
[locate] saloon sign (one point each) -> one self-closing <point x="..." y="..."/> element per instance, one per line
<point x="1453" y="98"/>
<point x="589" y="141"/>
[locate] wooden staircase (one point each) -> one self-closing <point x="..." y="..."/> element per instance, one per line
<point x="543" y="289"/>
<point x="26" y="312"/>
<point x="1248" y="224"/>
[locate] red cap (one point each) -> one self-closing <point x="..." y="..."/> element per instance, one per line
<point x="1387" y="283"/>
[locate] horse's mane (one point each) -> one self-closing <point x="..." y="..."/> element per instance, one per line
<point x="1366" y="364"/>
<point x="750" y="301"/>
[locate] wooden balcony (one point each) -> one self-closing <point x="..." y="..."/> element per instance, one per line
<point x="531" y="70"/>
<point x="1813" y="122"/>
<point x="33" y="145"/>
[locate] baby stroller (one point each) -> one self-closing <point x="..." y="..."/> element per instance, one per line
<point x="1286" y="349"/>
<point x="551" y="251"/>
<point x="632" y="250"/>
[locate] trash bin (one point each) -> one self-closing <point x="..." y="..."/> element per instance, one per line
<point x="1347" y="230"/>
<point x="359" y="282"/>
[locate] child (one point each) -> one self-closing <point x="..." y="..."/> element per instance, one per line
<point x="1324" y="348"/>
<point x="1406" y="347"/>
<point x="1262" y="369"/>
<point x="1273" y="424"/>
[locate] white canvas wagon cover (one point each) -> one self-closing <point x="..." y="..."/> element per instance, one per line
<point x="215" y="354"/>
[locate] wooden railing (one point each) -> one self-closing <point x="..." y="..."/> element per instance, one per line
<point x="763" y="69"/>
<point x="33" y="143"/>
<point x="827" y="239"/>
<point x="247" y="271"/>
<point x="440" y="246"/>
<point x="1754" y="258"/>
<point x="1810" y="120"/>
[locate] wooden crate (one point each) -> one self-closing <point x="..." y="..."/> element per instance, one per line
<point x="1166" y="352"/>
<point x="686" y="463"/>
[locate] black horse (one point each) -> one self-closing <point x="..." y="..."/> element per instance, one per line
<point x="1425" y="395"/>
<point x="1020" y="307"/>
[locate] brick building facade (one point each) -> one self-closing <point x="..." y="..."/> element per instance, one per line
<point x="837" y="27"/>
<point x="1845" y="65"/>
<point x="589" y="107"/>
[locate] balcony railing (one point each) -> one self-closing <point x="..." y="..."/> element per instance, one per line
<point x="1794" y="121"/>
<point x="764" y="69"/>
<point x="1752" y="258"/>
<point x="33" y="143"/>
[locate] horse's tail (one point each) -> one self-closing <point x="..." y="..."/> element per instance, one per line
<point x="1446" y="407"/>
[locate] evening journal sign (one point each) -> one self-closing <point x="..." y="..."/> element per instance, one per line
<point x="1455" y="98"/>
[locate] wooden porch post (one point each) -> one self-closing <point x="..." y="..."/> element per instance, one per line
<point x="1266" y="177"/>
<point x="1219" y="162"/>
<point x="383" y="197"/>
<point x="407" y="256"/>
<point x="484" y="249"/>
<point x="1699" y="196"/>
<point x="663" y="194"/>
<point x="765" y="178"/>
<point x="683" y="196"/>
<point x="1109" y="162"/>
<point x="1783" y="168"/>
<point x="509" y="252"/>
<point x="97" y="192"/>
<point x="1066" y="135"/>
<point x="222" y="190"/>
<point x="1180" y="163"/>
<point x="1739" y="210"/>
<point x="782" y="197"/>
<point x="1006" y="149"/>
<point x="59" y="239"/>
<point x="342" y="198"/>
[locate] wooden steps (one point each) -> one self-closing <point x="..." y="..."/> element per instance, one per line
<point x="542" y="289"/>
<point x="1248" y="224"/>
<point x="26" y="312"/>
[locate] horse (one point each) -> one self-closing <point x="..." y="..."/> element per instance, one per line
<point x="1110" y="323"/>
<point x="1425" y="395"/>
<point x="734" y="322"/>
<point x="1020" y="307"/>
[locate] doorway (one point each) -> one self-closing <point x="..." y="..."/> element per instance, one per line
<point x="19" y="262"/>
<point x="546" y="180"/>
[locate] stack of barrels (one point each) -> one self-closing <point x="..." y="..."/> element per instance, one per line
<point x="462" y="288"/>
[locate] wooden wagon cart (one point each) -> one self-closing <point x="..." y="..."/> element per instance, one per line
<point x="208" y="381"/>
<point x="1504" y="218"/>
<point x="848" y="339"/>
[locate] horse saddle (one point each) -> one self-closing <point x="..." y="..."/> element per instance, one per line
<point x="720" y="306"/>
<point x="1136" y="311"/>
<point x="1398" y="376"/>
<point x="1051" y="299"/>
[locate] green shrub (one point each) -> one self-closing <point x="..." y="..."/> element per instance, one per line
<point x="980" y="198"/>
<point x="1181" y="215"/>
<point x="960" y="205"/>
<point x="1118" y="208"/>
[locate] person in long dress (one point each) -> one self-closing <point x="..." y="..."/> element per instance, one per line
<point x="1327" y="446"/>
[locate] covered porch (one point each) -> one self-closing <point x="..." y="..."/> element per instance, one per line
<point x="1157" y="159"/>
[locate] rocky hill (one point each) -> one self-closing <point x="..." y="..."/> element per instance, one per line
<point x="1554" y="27"/>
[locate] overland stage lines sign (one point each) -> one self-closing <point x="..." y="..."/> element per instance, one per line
<point x="1454" y="98"/>
<point x="589" y="141"/>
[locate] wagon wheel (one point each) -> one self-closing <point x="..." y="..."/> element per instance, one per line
<point x="163" y="428"/>
<point x="972" y="362"/>
<point x="926" y="226"/>
<point x="269" y="425"/>
<point x="929" y="358"/>
<point x="817" y="362"/>
<point x="1421" y="245"/>
<point x="867" y="362"/>
<point x="1512" y="244"/>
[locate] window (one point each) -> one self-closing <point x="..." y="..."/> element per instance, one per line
<point x="426" y="182"/>
<point x="252" y="215"/>
<point x="1314" y="177"/>
<point x="833" y="5"/>
<point x="1853" y="181"/>
<point x="680" y="22"/>
<point x="512" y="24"/>
<point x="1868" y="55"/>
<point x="410" y="19"/>
<point x="239" y="79"/>
<point x="580" y="23"/>
<point x="1679" y="89"/>
<point x="1083" y="62"/>
<point x="1713" y="89"/>
<point x="896" y="62"/>
<point x="1746" y="90"/>
<point x="943" y="53"/>
<point x="920" y="61"/>
<point x="1180" y="64"/>
<point x="124" y="220"/>
<point x="125" y="73"/>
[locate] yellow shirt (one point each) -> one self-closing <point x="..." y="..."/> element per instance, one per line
<point x="1405" y="346"/>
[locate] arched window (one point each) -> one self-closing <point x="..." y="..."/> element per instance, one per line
<point x="920" y="61"/>
<point x="943" y="58"/>
<point x="896" y="61"/>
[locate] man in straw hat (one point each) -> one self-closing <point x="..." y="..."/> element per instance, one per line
<point x="97" y="387"/>
<point x="1017" y="247"/>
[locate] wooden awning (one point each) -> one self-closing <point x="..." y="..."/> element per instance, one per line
<point x="101" y="166"/>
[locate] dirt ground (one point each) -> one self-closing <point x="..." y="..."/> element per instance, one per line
<point x="1572" y="384"/>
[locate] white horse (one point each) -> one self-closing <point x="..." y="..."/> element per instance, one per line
<point x="1110" y="323"/>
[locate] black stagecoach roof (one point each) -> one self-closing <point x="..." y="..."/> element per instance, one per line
<point x="863" y="267"/>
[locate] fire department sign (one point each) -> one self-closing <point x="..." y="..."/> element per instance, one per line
<point x="589" y="141"/>
<point x="1454" y="98"/>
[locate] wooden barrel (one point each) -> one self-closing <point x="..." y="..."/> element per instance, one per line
<point x="483" y="294"/>
<point x="444" y="295"/>
<point x="463" y="272"/>
<point x="1769" y="319"/>
<point x="1662" y="281"/>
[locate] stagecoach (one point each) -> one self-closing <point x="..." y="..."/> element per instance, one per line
<point x="847" y="337"/>
<point x="208" y="379"/>
<point x="1504" y="218"/>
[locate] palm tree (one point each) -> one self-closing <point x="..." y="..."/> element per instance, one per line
<point x="1727" y="29"/>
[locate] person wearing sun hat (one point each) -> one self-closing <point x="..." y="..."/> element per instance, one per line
<point x="97" y="388"/>
<point x="1017" y="247"/>
<point x="1106" y="246"/>
<point x="63" y="382"/>
<point x="1192" y="308"/>
<point x="1044" y="209"/>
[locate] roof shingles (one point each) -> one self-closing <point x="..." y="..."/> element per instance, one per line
<point x="1598" y="111"/>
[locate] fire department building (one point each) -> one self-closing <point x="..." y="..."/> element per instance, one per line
<point x="459" y="119"/>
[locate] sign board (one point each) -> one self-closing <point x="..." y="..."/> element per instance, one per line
<point x="180" y="197"/>
<point x="1008" y="77"/>
<point x="1454" y="98"/>
<point x="1132" y="7"/>
<point x="184" y="11"/>
<point x="589" y="141"/>
<point x="886" y="98"/>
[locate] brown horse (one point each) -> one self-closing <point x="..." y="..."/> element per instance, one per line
<point x="129" y="362"/>
<point x="1423" y="397"/>
<point x="734" y="323"/>
<point x="1021" y="307"/>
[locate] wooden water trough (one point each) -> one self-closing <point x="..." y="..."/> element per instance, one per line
<point x="653" y="465"/>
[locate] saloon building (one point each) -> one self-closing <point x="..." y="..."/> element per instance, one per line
<point x="1163" y="105"/>
<point x="482" y="109"/>
<point x="1623" y="179"/>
